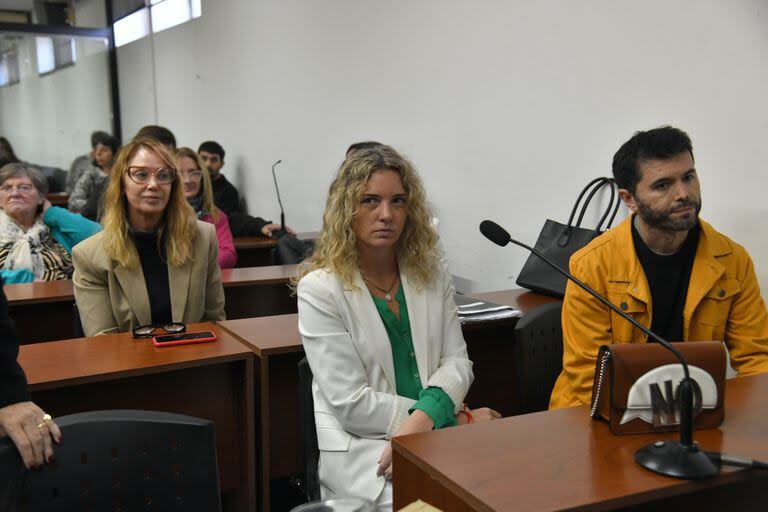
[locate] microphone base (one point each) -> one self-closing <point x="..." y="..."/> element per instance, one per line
<point x="278" y="234"/>
<point x="672" y="458"/>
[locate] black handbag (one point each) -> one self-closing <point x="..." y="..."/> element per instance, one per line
<point x="559" y="241"/>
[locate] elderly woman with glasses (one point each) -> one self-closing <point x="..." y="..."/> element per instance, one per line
<point x="36" y="239"/>
<point x="154" y="263"/>
<point x="199" y="193"/>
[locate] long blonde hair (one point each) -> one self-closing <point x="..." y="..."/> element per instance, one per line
<point x="177" y="228"/>
<point x="336" y="249"/>
<point x="206" y="189"/>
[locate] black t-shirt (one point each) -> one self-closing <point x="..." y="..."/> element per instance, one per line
<point x="155" y="270"/>
<point x="225" y="195"/>
<point x="668" y="277"/>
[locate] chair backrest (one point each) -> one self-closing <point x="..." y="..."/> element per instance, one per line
<point x="538" y="355"/>
<point x="311" y="482"/>
<point x="124" y="460"/>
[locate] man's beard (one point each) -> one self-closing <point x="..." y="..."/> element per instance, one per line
<point x="663" y="220"/>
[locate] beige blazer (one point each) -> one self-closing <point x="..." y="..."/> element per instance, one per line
<point x="112" y="298"/>
<point x="357" y="408"/>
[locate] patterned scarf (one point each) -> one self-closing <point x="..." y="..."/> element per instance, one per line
<point x="23" y="249"/>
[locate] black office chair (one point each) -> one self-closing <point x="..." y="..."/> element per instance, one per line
<point x="311" y="483"/>
<point x="538" y="355"/>
<point x="119" y="460"/>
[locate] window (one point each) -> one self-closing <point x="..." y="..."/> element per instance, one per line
<point x="9" y="68"/>
<point x="158" y="16"/>
<point x="54" y="53"/>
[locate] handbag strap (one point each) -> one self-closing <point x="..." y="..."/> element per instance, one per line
<point x="593" y="186"/>
<point x="614" y="204"/>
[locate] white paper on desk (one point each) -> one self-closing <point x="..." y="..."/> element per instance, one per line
<point x="484" y="310"/>
<point x="490" y="316"/>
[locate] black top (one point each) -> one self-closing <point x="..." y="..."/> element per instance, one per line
<point x="226" y="199"/>
<point x="225" y="195"/>
<point x="668" y="277"/>
<point x="13" y="383"/>
<point x="155" y="270"/>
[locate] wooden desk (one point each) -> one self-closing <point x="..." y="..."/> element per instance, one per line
<point x="276" y="343"/>
<point x="249" y="292"/>
<point x="491" y="349"/>
<point x="208" y="380"/>
<point x="58" y="199"/>
<point x="563" y="460"/>
<point x="256" y="251"/>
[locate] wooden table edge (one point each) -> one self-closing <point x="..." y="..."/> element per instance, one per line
<point x="137" y="372"/>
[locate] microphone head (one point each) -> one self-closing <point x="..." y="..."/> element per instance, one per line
<point x="495" y="233"/>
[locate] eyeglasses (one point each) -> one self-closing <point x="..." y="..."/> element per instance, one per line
<point x="147" y="331"/>
<point x="21" y="189"/>
<point x="142" y="175"/>
<point x="192" y="175"/>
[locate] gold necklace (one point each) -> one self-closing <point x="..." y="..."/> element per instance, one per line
<point x="387" y="293"/>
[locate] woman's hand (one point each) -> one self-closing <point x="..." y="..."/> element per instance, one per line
<point x="478" y="415"/>
<point x="30" y="432"/>
<point x="46" y="204"/>
<point x="484" y="414"/>
<point x="418" y="421"/>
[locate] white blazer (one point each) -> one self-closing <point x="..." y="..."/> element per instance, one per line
<point x="357" y="409"/>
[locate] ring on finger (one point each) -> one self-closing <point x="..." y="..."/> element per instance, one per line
<point x="41" y="425"/>
<point x="46" y="418"/>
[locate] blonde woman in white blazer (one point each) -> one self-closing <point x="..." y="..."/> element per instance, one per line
<point x="379" y="326"/>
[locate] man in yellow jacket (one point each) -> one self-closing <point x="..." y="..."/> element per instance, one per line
<point x="663" y="266"/>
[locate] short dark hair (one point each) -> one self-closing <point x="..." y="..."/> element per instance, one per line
<point x="661" y="143"/>
<point x="368" y="144"/>
<point x="111" y="142"/>
<point x="213" y="148"/>
<point x="97" y="137"/>
<point x="160" y="133"/>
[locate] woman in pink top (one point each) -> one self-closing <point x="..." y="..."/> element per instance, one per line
<point x="199" y="194"/>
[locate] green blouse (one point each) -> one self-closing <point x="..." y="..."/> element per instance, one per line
<point x="433" y="401"/>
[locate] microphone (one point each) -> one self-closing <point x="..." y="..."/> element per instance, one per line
<point x="282" y="231"/>
<point x="681" y="459"/>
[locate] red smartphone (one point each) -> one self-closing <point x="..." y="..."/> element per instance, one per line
<point x="184" y="338"/>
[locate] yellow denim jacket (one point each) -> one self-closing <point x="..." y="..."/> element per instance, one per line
<point x="723" y="303"/>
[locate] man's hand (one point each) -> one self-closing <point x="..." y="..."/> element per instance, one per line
<point x="20" y="422"/>
<point x="269" y="228"/>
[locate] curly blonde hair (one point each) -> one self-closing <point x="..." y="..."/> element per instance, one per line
<point x="177" y="228"/>
<point x="336" y="250"/>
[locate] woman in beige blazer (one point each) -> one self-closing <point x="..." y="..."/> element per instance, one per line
<point x="154" y="263"/>
<point x="379" y="326"/>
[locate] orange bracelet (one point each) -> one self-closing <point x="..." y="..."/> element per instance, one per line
<point x="466" y="411"/>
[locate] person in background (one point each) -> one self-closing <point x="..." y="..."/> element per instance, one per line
<point x="160" y="133"/>
<point x="379" y="326"/>
<point x="36" y="239"/>
<point x="30" y="429"/>
<point x="197" y="190"/>
<point x="7" y="155"/>
<point x="88" y="192"/>
<point x="154" y="263"/>
<point x="227" y="199"/>
<point x="84" y="162"/>
<point x="665" y="266"/>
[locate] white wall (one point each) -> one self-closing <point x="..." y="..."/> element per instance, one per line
<point x="49" y="119"/>
<point x="506" y="107"/>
